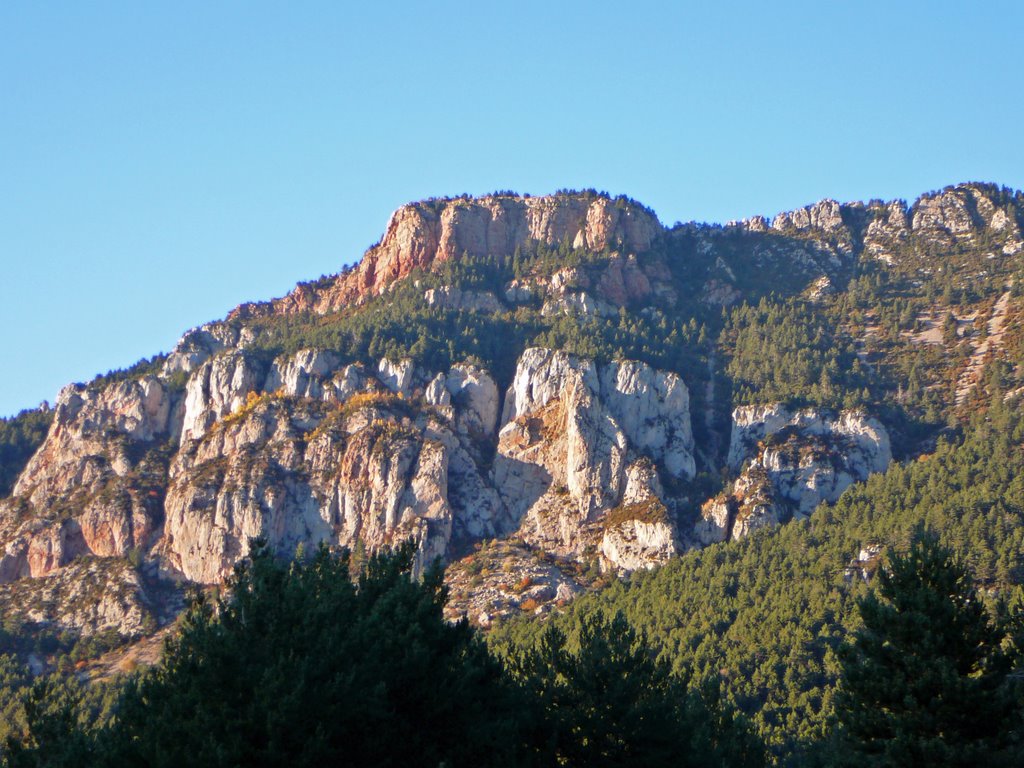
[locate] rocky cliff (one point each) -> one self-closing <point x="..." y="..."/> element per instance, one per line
<point x="789" y="462"/>
<point x="421" y="234"/>
<point x="308" y="450"/>
<point x="601" y="439"/>
<point x="578" y="440"/>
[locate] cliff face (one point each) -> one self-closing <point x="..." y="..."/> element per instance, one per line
<point x="309" y="450"/>
<point x="789" y="462"/>
<point x="420" y="234"/>
<point x="574" y="439"/>
<point x="399" y="456"/>
<point x="94" y="485"/>
<point x="323" y="452"/>
<point x="528" y="485"/>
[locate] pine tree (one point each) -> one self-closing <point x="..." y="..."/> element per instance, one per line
<point x="299" y="666"/>
<point x="612" y="703"/>
<point x="927" y="680"/>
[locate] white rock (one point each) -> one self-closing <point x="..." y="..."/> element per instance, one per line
<point x="396" y="376"/>
<point x="637" y="544"/>
<point x="454" y="298"/>
<point x="197" y="346"/>
<point x="819" y="456"/>
<point x="84" y="421"/>
<point x="518" y="292"/>
<point x="350" y="380"/>
<point x="218" y="388"/>
<point x="642" y="483"/>
<point x="653" y="409"/>
<point x="436" y="392"/>
<point x="569" y="429"/>
<point x="475" y="395"/>
<point x="303" y="374"/>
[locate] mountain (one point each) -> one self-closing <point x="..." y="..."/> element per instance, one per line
<point x="544" y="392"/>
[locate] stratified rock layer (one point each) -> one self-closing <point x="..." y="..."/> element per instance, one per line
<point x="419" y="234"/>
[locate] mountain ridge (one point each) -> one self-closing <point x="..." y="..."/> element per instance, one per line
<point x="570" y="396"/>
<point x="411" y="236"/>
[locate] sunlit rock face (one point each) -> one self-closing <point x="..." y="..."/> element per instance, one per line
<point x="790" y="461"/>
<point x="572" y="464"/>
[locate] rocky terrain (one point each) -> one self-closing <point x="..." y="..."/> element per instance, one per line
<point x="788" y="463"/>
<point x="537" y="472"/>
<point x="420" y="234"/>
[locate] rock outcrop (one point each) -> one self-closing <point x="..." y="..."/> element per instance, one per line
<point x="570" y="431"/>
<point x="453" y="297"/>
<point x="90" y="596"/>
<point x="307" y="374"/>
<point x="635" y="544"/>
<point x="959" y="215"/>
<point x="198" y="345"/>
<point x="502" y="579"/>
<point x="577" y="467"/>
<point x="85" y="421"/>
<point x="826" y="215"/>
<point x="220" y="386"/>
<point x="419" y="234"/>
<point x="370" y="470"/>
<point x="95" y="485"/>
<point x="789" y="462"/>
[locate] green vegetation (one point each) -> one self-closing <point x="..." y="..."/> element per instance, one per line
<point x="765" y="616"/>
<point x="789" y="352"/>
<point x="145" y="367"/>
<point x="20" y="436"/>
<point x="304" y="666"/>
<point x="605" y="700"/>
<point x="757" y="631"/>
<point x="403" y="325"/>
<point x="54" y="698"/>
<point x="20" y="638"/>
<point x="927" y="680"/>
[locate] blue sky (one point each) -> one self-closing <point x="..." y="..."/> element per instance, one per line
<point x="160" y="166"/>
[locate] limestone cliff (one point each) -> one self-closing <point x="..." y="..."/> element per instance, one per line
<point x="95" y="485"/>
<point x="533" y="471"/>
<point x="573" y="431"/>
<point x="789" y="462"/>
<point x="420" y="234"/>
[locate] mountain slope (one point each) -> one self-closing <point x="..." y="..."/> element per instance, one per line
<point x="561" y="378"/>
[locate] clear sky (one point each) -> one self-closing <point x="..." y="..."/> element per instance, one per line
<point x="160" y="166"/>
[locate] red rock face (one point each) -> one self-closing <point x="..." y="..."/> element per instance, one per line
<point x="624" y="282"/>
<point x="421" y="234"/>
<point x="111" y="530"/>
<point x="54" y="547"/>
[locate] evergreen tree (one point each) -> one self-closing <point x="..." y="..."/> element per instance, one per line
<point x="926" y="681"/>
<point x="300" y="666"/>
<point x="612" y="703"/>
<point x="20" y="436"/>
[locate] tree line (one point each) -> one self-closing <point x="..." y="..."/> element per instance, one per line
<point x="304" y="664"/>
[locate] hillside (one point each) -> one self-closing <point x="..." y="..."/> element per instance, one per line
<point x="549" y="393"/>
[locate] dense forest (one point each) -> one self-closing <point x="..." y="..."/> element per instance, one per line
<point x="305" y="664"/>
<point x="19" y="437"/>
